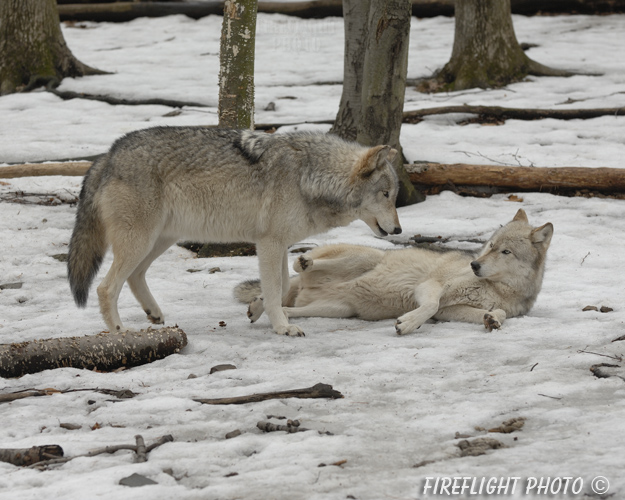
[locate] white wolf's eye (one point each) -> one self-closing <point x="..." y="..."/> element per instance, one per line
<point x="386" y="194"/>
<point x="506" y="252"/>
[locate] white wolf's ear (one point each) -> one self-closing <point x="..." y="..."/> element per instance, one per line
<point x="374" y="158"/>
<point x="542" y="235"/>
<point x="521" y="216"/>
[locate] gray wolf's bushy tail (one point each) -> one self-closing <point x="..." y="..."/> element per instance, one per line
<point x="247" y="291"/>
<point x="87" y="245"/>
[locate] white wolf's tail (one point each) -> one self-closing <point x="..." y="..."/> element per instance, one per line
<point x="247" y="291"/>
<point x="88" y="244"/>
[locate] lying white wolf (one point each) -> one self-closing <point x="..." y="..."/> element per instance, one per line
<point x="414" y="284"/>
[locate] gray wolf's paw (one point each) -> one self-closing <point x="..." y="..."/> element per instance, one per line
<point x="290" y="331"/>
<point x="255" y="309"/>
<point x="491" y="323"/>
<point x="302" y="264"/>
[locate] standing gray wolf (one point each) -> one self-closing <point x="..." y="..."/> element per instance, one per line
<point x="415" y="284"/>
<point x="157" y="186"/>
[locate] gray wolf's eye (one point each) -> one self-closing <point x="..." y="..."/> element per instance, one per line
<point x="506" y="252"/>
<point x="386" y="194"/>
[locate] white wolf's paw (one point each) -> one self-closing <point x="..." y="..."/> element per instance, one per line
<point x="255" y="309"/>
<point x="493" y="320"/>
<point x="290" y="331"/>
<point x="403" y="328"/>
<point x="124" y="329"/>
<point x="157" y="317"/>
<point x="302" y="264"/>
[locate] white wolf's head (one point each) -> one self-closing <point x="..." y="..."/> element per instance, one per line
<point x="515" y="254"/>
<point x="378" y="185"/>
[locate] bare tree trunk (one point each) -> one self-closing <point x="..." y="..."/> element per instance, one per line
<point x="486" y="52"/>
<point x="356" y="16"/>
<point x="374" y="82"/>
<point x="236" y="61"/>
<point x="33" y="51"/>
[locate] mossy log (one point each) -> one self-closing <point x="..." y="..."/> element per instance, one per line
<point x="103" y="351"/>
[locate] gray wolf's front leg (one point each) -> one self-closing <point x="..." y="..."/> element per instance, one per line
<point x="492" y="320"/>
<point x="271" y="263"/>
<point x="428" y="296"/>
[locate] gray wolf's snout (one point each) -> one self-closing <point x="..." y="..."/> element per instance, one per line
<point x="397" y="230"/>
<point x="475" y="265"/>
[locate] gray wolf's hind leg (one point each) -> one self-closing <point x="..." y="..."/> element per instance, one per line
<point x="126" y="258"/>
<point x="139" y="287"/>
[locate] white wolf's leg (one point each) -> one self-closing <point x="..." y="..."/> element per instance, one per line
<point x="322" y="309"/>
<point x="492" y="320"/>
<point x="257" y="307"/>
<point x="126" y="258"/>
<point x="271" y="255"/>
<point x="428" y="296"/>
<point x="139" y="287"/>
<point x="353" y="261"/>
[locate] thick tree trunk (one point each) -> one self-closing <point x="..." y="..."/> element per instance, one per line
<point x="236" y="60"/>
<point x="32" y="48"/>
<point x="374" y="82"/>
<point x="104" y="351"/>
<point x="486" y="52"/>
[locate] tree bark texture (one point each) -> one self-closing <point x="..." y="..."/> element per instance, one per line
<point x="33" y="51"/>
<point x="530" y="178"/>
<point x="486" y="52"/>
<point x="104" y="351"/>
<point x="236" y="62"/>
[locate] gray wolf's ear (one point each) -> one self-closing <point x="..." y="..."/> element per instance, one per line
<point x="542" y="235"/>
<point x="521" y="216"/>
<point x="375" y="157"/>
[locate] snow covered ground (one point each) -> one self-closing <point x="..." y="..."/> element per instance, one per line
<point x="405" y="398"/>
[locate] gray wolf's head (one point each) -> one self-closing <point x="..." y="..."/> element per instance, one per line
<point x="515" y="254"/>
<point x="375" y="179"/>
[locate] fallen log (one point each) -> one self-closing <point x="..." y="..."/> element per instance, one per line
<point x="103" y="352"/>
<point x="140" y="449"/>
<point x="514" y="113"/>
<point x="316" y="391"/>
<point x="526" y="178"/>
<point x="429" y="174"/>
<point x="105" y="10"/>
<point x="40" y="169"/>
<point x="30" y="456"/>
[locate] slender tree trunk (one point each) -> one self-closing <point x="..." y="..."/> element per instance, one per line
<point x="356" y="17"/>
<point x="486" y="52"/>
<point x="33" y="51"/>
<point x="374" y="82"/>
<point x="236" y="60"/>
